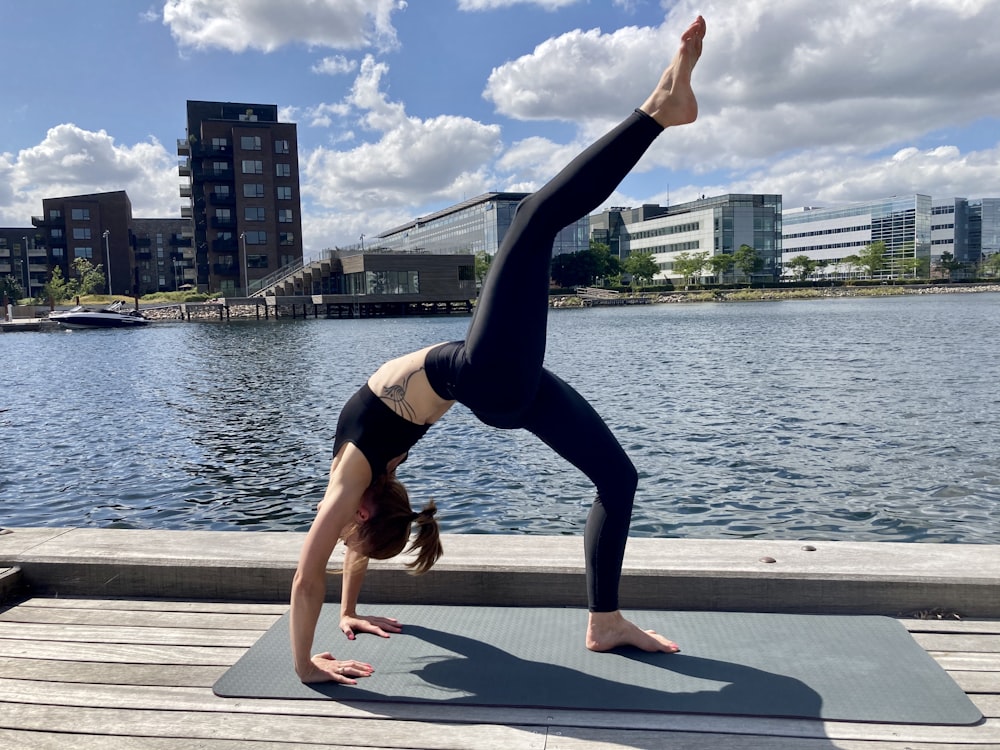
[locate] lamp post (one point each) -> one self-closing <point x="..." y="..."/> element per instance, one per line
<point x="362" y="243"/>
<point x="27" y="276"/>
<point x="246" y="278"/>
<point x="107" y="251"/>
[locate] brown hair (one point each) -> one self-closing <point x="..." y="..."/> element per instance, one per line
<point x="386" y="533"/>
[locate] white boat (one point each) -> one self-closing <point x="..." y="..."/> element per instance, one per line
<point x="115" y="315"/>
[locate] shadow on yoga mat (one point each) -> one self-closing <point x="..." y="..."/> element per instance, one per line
<point x="846" y="668"/>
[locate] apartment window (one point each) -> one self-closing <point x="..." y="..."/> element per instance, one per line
<point x="253" y="190"/>
<point x="81" y="214"/>
<point x="256" y="261"/>
<point x="281" y="147"/>
<point x="83" y="252"/>
<point x="251" y="166"/>
<point x="223" y="214"/>
<point x="286" y="238"/>
<point x="224" y="236"/>
<point x="220" y="144"/>
<point x="285" y="215"/>
<point x="81" y="233"/>
<point x="283" y="170"/>
<point x="54" y="213"/>
<point x="287" y="259"/>
<point x="57" y="252"/>
<point x="220" y="167"/>
<point x="250" y="142"/>
<point x="284" y="193"/>
<point x="253" y="213"/>
<point x="221" y="190"/>
<point x="255" y="238"/>
<point x="57" y="234"/>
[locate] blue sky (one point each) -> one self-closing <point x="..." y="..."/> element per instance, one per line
<point x="405" y="108"/>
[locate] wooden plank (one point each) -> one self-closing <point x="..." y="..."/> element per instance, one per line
<point x="98" y="673"/>
<point x="121" y="653"/>
<point x="959" y="642"/>
<point x="952" y="626"/>
<point x="977" y="682"/>
<point x="142" y="618"/>
<point x="158" y="605"/>
<point x="326" y="731"/>
<point x="32" y="740"/>
<point x="986" y="662"/>
<point x="85" y="634"/>
<point x="201" y="705"/>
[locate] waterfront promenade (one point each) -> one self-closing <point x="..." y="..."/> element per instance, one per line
<point x="113" y="638"/>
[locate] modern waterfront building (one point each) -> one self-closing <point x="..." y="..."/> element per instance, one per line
<point x="912" y="226"/>
<point x="473" y="226"/>
<point x="829" y="235"/>
<point x="21" y="258"/>
<point x="164" y="254"/>
<point x="721" y="224"/>
<point x="97" y="227"/>
<point x="241" y="174"/>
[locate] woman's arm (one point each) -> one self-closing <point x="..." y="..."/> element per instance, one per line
<point x="349" y="477"/>
<point x="355" y="567"/>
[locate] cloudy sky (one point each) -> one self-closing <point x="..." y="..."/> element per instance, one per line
<point x="405" y="108"/>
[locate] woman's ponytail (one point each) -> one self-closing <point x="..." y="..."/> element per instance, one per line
<point x="427" y="543"/>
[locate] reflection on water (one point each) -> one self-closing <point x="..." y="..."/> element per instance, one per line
<point x="866" y="419"/>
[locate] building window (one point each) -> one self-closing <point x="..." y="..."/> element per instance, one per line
<point x="286" y="238"/>
<point x="81" y="214"/>
<point x="220" y="144"/>
<point x="255" y="238"/>
<point x="285" y="215"/>
<point x="81" y="233"/>
<point x="221" y="190"/>
<point x="281" y="147"/>
<point x="223" y="214"/>
<point x="250" y="142"/>
<point x="220" y="167"/>
<point x="57" y="234"/>
<point x="284" y="193"/>
<point x="54" y="214"/>
<point x="256" y="261"/>
<point x="57" y="252"/>
<point x="253" y="213"/>
<point x="253" y="190"/>
<point x="251" y="166"/>
<point x="283" y="170"/>
<point x="83" y="252"/>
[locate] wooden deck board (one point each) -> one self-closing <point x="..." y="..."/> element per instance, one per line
<point x="156" y="693"/>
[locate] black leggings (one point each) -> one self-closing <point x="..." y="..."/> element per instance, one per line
<point x="497" y="372"/>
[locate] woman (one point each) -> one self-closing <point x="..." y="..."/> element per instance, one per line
<point x="497" y="372"/>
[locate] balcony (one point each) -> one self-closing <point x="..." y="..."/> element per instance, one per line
<point x="222" y="199"/>
<point x="179" y="240"/>
<point x="184" y="168"/>
<point x="223" y="175"/>
<point x="4" y="252"/>
<point x="183" y="147"/>
<point x="38" y="252"/>
<point x="185" y="191"/>
<point x="41" y="221"/>
<point x="219" y="222"/>
<point x="223" y="246"/>
<point x="186" y="212"/>
<point x="225" y="269"/>
<point x="143" y="255"/>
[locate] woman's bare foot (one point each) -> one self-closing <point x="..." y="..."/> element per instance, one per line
<point x="673" y="101"/>
<point x="608" y="630"/>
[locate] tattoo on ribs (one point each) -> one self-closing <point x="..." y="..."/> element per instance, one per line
<point x="396" y="396"/>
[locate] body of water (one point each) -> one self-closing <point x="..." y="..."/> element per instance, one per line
<point x="848" y="419"/>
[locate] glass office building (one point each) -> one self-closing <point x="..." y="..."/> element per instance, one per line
<point x="474" y="226"/>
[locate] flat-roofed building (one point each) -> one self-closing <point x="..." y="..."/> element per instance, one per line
<point x="164" y="254"/>
<point x="720" y="224"/>
<point x="473" y="226"/>
<point x="241" y="175"/>
<point x="18" y="253"/>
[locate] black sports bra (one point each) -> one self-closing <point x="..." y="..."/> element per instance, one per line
<point x="379" y="433"/>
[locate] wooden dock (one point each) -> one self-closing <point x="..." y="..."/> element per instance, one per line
<point x="89" y="660"/>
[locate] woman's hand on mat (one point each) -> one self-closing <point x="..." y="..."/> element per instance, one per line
<point x="608" y="630"/>
<point x="327" y="669"/>
<point x="381" y="626"/>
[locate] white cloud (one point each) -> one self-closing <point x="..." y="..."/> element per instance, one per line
<point x="334" y="66"/>
<point x="238" y="25"/>
<point x="74" y="161"/>
<point x="478" y="5"/>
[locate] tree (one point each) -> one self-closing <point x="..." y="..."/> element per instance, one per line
<point x="803" y="266"/>
<point x="57" y="288"/>
<point x="690" y="265"/>
<point x="948" y="264"/>
<point x="641" y="266"/>
<point x="606" y="265"/>
<point x="916" y="266"/>
<point x="89" y="278"/>
<point x="871" y="260"/>
<point x="720" y="263"/>
<point x="991" y="265"/>
<point x="482" y="266"/>
<point x="10" y="288"/>
<point x="747" y="260"/>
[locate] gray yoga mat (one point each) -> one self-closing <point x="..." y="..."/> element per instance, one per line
<point x="811" y="666"/>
